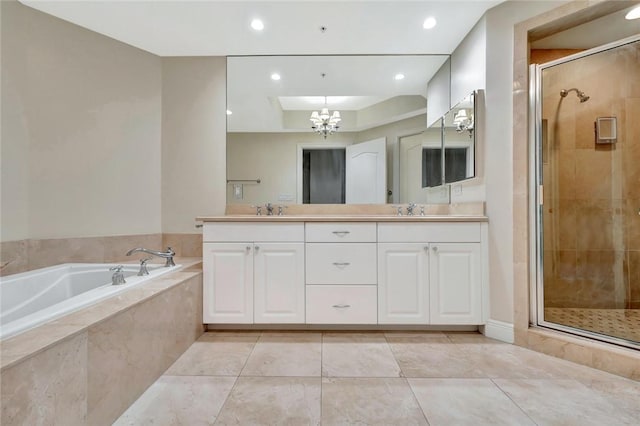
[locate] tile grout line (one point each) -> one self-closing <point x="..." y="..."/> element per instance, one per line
<point x="235" y="382"/>
<point x="404" y="377"/>
<point x="511" y="399"/>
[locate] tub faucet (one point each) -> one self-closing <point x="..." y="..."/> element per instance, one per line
<point x="164" y="254"/>
<point x="118" y="276"/>
<point x="143" y="267"/>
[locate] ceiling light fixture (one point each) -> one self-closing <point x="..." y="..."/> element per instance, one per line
<point x="399" y="76"/>
<point x="429" y="23"/>
<point x="633" y="13"/>
<point x="257" y="25"/>
<point x="324" y="123"/>
<point x="275" y="76"/>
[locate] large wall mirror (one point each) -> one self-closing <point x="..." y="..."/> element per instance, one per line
<point x="274" y="155"/>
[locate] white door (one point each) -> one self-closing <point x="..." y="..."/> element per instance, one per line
<point x="366" y="172"/>
<point x="227" y="283"/>
<point x="403" y="283"/>
<point x="455" y="287"/>
<point x="279" y="283"/>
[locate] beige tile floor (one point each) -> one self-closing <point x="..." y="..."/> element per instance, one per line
<point x="311" y="378"/>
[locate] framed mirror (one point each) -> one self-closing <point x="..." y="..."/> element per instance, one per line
<point x="459" y="141"/>
<point x="270" y="139"/>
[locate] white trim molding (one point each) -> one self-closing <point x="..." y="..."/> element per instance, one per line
<point x="498" y="330"/>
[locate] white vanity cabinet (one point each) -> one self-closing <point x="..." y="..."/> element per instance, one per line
<point x="455" y="283"/>
<point x="431" y="273"/>
<point x="393" y="271"/>
<point x="403" y="287"/>
<point x="253" y="273"/>
<point x="341" y="273"/>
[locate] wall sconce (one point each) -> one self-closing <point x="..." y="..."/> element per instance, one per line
<point x="463" y="122"/>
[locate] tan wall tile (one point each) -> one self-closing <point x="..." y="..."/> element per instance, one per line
<point x="14" y="257"/>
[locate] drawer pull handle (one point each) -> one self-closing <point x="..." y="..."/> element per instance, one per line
<point x="341" y="264"/>
<point x="341" y="233"/>
<point x="341" y="306"/>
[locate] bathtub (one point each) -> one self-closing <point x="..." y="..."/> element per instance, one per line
<point x="33" y="298"/>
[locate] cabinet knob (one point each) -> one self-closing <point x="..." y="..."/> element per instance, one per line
<point x="434" y="248"/>
<point x="257" y="248"/>
<point x="248" y="248"/>
<point x="426" y="248"/>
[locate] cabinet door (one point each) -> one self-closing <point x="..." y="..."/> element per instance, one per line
<point x="279" y="283"/>
<point x="455" y="283"/>
<point x="228" y="283"/>
<point x="403" y="283"/>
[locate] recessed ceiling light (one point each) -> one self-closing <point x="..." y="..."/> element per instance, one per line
<point x="257" y="25"/>
<point x="399" y="76"/>
<point x="633" y="13"/>
<point x="229" y="112"/>
<point x="429" y="23"/>
<point x="275" y="76"/>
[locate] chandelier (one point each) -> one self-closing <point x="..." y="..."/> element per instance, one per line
<point x="324" y="123"/>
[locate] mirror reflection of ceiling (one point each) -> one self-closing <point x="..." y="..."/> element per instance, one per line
<point x="221" y="27"/>
<point x="365" y="89"/>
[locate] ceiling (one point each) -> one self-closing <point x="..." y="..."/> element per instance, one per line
<point x="214" y="27"/>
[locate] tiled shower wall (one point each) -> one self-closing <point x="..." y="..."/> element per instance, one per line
<point x="592" y="192"/>
<point x="26" y="255"/>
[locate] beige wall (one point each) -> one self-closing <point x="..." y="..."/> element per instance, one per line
<point x="193" y="140"/>
<point x="80" y="131"/>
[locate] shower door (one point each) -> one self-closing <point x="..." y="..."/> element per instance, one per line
<point x="586" y="193"/>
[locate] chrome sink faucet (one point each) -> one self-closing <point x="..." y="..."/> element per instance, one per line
<point x="163" y="254"/>
<point x="410" y="208"/>
<point x="269" y="208"/>
<point x="118" y="276"/>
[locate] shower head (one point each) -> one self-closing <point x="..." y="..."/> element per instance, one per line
<point x="581" y="95"/>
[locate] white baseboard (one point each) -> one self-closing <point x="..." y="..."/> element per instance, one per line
<point x="498" y="330"/>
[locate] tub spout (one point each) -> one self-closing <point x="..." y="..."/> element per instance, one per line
<point x="164" y="254"/>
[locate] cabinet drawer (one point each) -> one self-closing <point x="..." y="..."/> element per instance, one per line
<point x="340" y="232"/>
<point x="353" y="263"/>
<point x="465" y="232"/>
<point x="251" y="231"/>
<point x="329" y="304"/>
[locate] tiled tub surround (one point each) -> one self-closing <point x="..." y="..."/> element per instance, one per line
<point x="88" y="367"/>
<point x="392" y="378"/>
<point x="26" y="255"/>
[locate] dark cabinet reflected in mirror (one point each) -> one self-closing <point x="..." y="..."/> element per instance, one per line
<point x="456" y="139"/>
<point x="459" y="141"/>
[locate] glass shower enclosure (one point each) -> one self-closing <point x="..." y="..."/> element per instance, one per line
<point x="585" y="186"/>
